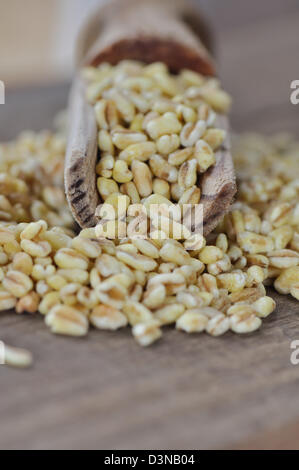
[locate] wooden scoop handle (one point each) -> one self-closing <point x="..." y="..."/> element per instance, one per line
<point x="170" y="31"/>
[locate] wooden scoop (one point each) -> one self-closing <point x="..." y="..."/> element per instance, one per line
<point x="168" y="31"/>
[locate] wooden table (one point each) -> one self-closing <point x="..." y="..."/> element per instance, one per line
<point x="185" y="392"/>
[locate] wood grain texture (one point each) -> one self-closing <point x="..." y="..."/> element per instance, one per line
<point x="81" y="158"/>
<point x="186" y="392"/>
<point x="218" y="184"/>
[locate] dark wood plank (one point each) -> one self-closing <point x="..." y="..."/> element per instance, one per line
<point x="185" y="392"/>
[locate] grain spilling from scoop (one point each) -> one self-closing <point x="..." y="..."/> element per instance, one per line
<point x="157" y="132"/>
<point x="77" y="281"/>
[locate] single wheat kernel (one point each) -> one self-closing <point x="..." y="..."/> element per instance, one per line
<point x="215" y="138"/>
<point x="264" y="306"/>
<point x="233" y="282"/>
<point x="162" y="169"/>
<point x="125" y="108"/>
<point x="105" y="166"/>
<point x="29" y="303"/>
<point x="16" y="357"/>
<point x="161" y="187"/>
<point x="107" y="187"/>
<point x="137" y="313"/>
<point x="106" y="114"/>
<point x="7" y="300"/>
<point x="172" y="253"/>
<point x="107" y="318"/>
<point x="41" y="272"/>
<point x="190" y="196"/>
<point x="95" y="90"/>
<point x="253" y="243"/>
<point x="167" y="144"/>
<point x="218" y="325"/>
<point x="154" y="297"/>
<point x="42" y="288"/>
<point x="23" y="262"/>
<point x="166" y="124"/>
<point x="141" y="151"/>
<point x="111" y="292"/>
<point x="189" y="273"/>
<point x="176" y="191"/>
<point x="204" y="156"/>
<point x="80" y="276"/>
<point x="17" y="283"/>
<point x="192" y="300"/>
<point x="56" y="239"/>
<point x="255" y="275"/>
<point x="195" y="243"/>
<point x="34" y="230"/>
<point x="146" y="247"/>
<point x="89" y="248"/>
<point x="283" y="259"/>
<point x="64" y="320"/>
<point x="67" y="258"/>
<point x="123" y="138"/>
<point x="147" y="333"/>
<point x="142" y="178"/>
<point x="121" y="172"/>
<point x="192" y="132"/>
<point x="192" y="321"/>
<point x="282" y="236"/>
<point x="48" y="302"/>
<point x="136" y="293"/>
<point x="56" y="282"/>
<point x="186" y="113"/>
<point x="288" y="279"/>
<point x="210" y="254"/>
<point x="40" y="249"/>
<point x="169" y="314"/>
<point x="138" y="262"/>
<point x="294" y="291"/>
<point x="130" y="190"/>
<point x="243" y="319"/>
<point x="187" y="174"/>
<point x="218" y="99"/>
<point x="248" y="295"/>
<point x="105" y="142"/>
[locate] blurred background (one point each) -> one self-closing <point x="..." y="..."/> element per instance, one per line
<point x="37" y="36"/>
<point x="257" y="48"/>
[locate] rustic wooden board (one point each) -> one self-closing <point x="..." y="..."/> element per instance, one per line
<point x="185" y="392"/>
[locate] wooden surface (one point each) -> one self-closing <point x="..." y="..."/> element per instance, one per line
<point x="104" y="392"/>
